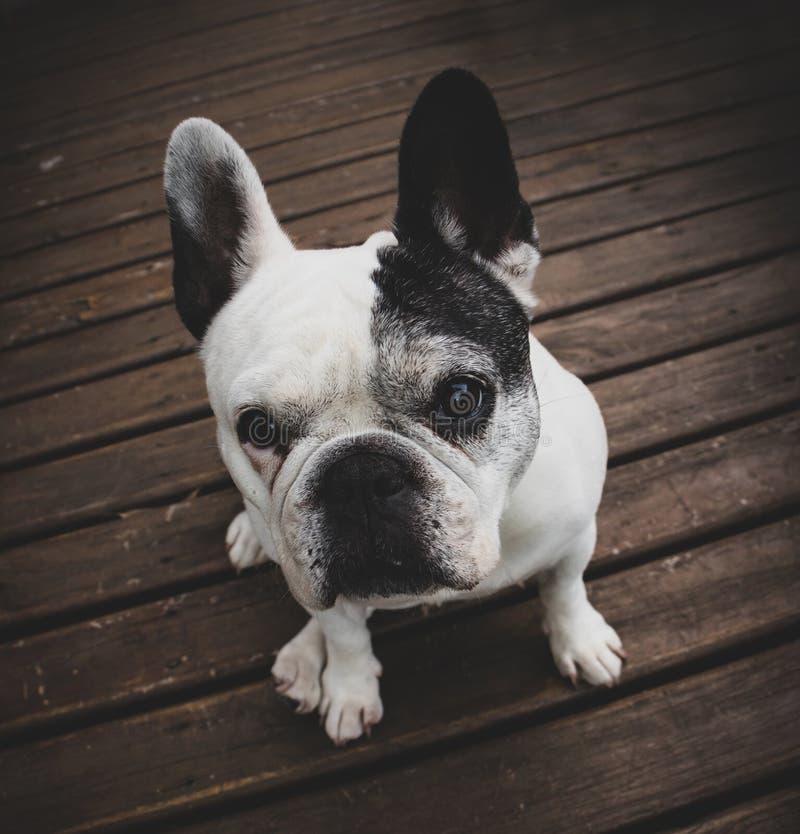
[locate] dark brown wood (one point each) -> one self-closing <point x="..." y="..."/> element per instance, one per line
<point x="521" y="78"/>
<point x="300" y="118"/>
<point x="148" y="235"/>
<point x="678" y="743"/>
<point x="657" y="146"/>
<point x="562" y="172"/>
<point x="149" y="551"/>
<point x="696" y="394"/>
<point x="39" y="40"/>
<point x="256" y="87"/>
<point x="776" y="813"/>
<point x="368" y="137"/>
<point x="687" y="316"/>
<point x="426" y="23"/>
<point x="285" y="116"/>
<point x="258" y="38"/>
<point x="660" y="502"/>
<point x="448" y="677"/>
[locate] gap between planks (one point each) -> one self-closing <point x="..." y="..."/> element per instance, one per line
<point x="644" y="601"/>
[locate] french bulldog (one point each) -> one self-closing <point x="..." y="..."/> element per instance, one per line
<point x="397" y="434"/>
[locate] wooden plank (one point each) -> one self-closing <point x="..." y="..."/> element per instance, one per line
<point x="46" y="41"/>
<point x="557" y="173"/>
<point x="252" y="96"/>
<point x="176" y="460"/>
<point x="258" y="38"/>
<point x="687" y="397"/>
<point x="623" y="65"/>
<point x="126" y="343"/>
<point x="292" y="125"/>
<point x="288" y="108"/>
<point x="141" y="553"/>
<point x="427" y="23"/>
<point x="246" y="741"/>
<point x="133" y="473"/>
<point x="650" y="327"/>
<point x="662" y="502"/>
<point x="622" y="208"/>
<point x="775" y="813"/>
<point x="151" y="551"/>
<point x="664" y="747"/>
<point x="148" y="236"/>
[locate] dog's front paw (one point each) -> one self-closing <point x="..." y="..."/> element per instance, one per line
<point x="351" y="701"/>
<point x="583" y="643"/>
<point x="244" y="549"/>
<point x="297" y="670"/>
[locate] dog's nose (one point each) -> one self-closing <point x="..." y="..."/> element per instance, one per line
<point x="365" y="480"/>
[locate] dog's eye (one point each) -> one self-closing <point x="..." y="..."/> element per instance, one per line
<point x="257" y="427"/>
<point x="461" y="404"/>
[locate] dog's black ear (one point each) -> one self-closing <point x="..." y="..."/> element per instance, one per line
<point x="458" y="183"/>
<point x="222" y="225"/>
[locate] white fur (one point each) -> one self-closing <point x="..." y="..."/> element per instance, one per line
<point x="516" y="267"/>
<point x="297" y="335"/>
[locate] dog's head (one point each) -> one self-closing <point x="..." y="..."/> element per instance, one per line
<point x="374" y="404"/>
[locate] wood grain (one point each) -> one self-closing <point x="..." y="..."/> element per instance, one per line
<point x="687" y="740"/>
<point x="776" y="813"/>
<point x="557" y="173"/>
<point x="317" y="153"/>
<point x="47" y="42"/>
<point x="231" y="95"/>
<point x="426" y="23"/>
<point x="296" y="126"/>
<point x="147" y="236"/>
<point x="484" y="668"/>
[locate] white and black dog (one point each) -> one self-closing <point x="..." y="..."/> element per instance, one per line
<point x="380" y="407"/>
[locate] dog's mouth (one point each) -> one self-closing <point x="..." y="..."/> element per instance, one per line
<point x="371" y="517"/>
<point x="386" y="573"/>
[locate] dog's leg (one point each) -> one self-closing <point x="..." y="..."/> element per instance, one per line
<point x="580" y="639"/>
<point x="351" y="701"/>
<point x="244" y="548"/>
<point x="298" y="667"/>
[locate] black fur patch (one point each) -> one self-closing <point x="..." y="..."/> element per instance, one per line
<point x="204" y="255"/>
<point x="426" y="292"/>
<point x="456" y="164"/>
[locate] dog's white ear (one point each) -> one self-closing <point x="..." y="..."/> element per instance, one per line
<point x="458" y="184"/>
<point x="221" y="222"/>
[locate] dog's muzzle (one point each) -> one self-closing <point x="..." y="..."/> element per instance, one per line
<point x="378" y="523"/>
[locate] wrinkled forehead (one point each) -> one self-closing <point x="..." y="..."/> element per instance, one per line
<point x="357" y="326"/>
<point x="298" y="330"/>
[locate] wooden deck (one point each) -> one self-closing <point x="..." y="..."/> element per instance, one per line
<point x="658" y="144"/>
